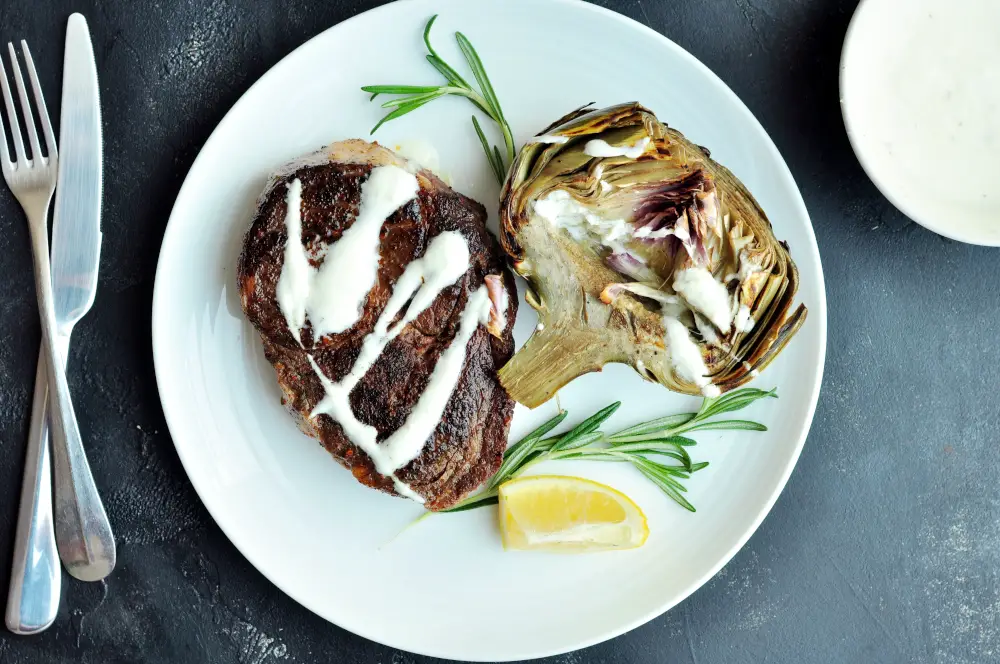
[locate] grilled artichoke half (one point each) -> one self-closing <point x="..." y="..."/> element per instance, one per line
<point x="638" y="248"/>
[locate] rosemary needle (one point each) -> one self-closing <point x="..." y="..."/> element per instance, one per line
<point x="656" y="448"/>
<point x="485" y="98"/>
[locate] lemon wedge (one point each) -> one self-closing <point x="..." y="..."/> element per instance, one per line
<point x="568" y="514"/>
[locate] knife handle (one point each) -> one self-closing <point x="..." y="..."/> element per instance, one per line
<point x="83" y="534"/>
<point x="35" y="578"/>
<point x="84" y="539"/>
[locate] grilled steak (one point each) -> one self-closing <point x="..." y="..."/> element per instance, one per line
<point x="467" y="445"/>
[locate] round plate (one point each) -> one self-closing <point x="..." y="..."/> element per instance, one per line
<point x="445" y="587"/>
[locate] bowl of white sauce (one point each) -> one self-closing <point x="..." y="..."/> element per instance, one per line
<point x="920" y="96"/>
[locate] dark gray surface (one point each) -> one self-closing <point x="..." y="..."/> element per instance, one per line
<point x="884" y="547"/>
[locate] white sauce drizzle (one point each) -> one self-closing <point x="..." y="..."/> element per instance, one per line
<point x="645" y="233"/>
<point x="332" y="296"/>
<point x="444" y="263"/>
<point x="747" y="267"/>
<point x="599" y="148"/>
<point x="561" y="210"/>
<point x="706" y="331"/>
<point x="351" y="265"/>
<point x="408" y="441"/>
<point x="540" y="327"/>
<point x="550" y="138"/>
<point x="641" y="290"/>
<point x="706" y="295"/>
<point x="296" y="272"/>
<point x="743" y="322"/>
<point x="685" y="356"/>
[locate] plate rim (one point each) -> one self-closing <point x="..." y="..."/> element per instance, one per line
<point x="818" y="314"/>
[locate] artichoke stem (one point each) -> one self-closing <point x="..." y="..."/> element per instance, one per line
<point x="549" y="360"/>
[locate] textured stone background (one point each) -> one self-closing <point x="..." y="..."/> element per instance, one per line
<point x="885" y="546"/>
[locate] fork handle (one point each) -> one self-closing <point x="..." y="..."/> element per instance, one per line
<point x="83" y="534"/>
<point x="35" y="578"/>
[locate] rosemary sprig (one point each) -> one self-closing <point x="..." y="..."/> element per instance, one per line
<point x="485" y="99"/>
<point x="657" y="448"/>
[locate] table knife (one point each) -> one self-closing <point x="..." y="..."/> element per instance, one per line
<point x="82" y="532"/>
<point x="83" y="535"/>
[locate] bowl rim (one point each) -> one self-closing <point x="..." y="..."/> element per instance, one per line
<point x="858" y="146"/>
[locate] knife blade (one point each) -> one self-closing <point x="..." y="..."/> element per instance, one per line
<point x="76" y="220"/>
<point x="83" y="534"/>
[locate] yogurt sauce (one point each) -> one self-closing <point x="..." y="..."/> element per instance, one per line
<point x="560" y="209"/>
<point x="685" y="356"/>
<point x="351" y="265"/>
<point x="444" y="263"/>
<point x="921" y="97"/>
<point x="599" y="148"/>
<point x="296" y="272"/>
<point x="744" y="321"/>
<point x="332" y="296"/>
<point x="550" y="139"/>
<point x="706" y="295"/>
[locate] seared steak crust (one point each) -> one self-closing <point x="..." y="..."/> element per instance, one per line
<point x="467" y="446"/>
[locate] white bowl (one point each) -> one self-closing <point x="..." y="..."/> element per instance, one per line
<point x="920" y="96"/>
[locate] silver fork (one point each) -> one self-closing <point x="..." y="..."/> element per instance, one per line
<point x="78" y="506"/>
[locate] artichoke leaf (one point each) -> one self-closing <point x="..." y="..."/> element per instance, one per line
<point x="663" y="261"/>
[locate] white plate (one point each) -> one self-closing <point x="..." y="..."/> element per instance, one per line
<point x="445" y="588"/>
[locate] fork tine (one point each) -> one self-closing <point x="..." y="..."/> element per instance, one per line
<point x="4" y="152"/>
<point x="29" y="122"/>
<point x="15" y="126"/>
<point x="43" y="111"/>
